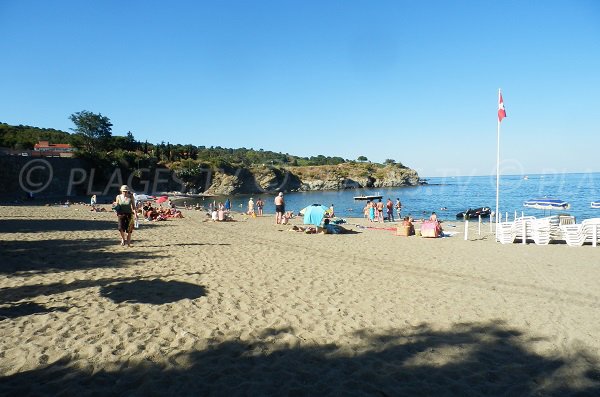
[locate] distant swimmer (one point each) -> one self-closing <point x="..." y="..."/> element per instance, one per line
<point x="444" y="209"/>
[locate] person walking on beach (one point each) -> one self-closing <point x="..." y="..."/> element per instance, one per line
<point x="279" y="208"/>
<point x="227" y="205"/>
<point x="398" y="206"/>
<point x="126" y="213"/>
<point x="389" y="206"/>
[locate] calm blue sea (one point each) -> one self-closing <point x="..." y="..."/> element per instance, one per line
<point x="454" y="193"/>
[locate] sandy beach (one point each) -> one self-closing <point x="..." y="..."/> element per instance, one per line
<point x="206" y="308"/>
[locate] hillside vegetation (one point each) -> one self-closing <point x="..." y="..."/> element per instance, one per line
<point x="215" y="170"/>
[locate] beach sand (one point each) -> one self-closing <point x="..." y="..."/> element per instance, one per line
<point x="249" y="308"/>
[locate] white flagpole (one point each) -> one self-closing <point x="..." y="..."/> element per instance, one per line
<point x="498" y="173"/>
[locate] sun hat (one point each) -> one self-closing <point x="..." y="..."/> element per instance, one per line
<point x="124" y="188"/>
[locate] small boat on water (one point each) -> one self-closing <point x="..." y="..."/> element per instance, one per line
<point x="547" y="204"/>
<point x="367" y="197"/>
<point x="471" y="213"/>
<point x="596" y="204"/>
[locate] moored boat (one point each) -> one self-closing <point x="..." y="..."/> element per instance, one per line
<point x="369" y="197"/>
<point x="471" y="213"/>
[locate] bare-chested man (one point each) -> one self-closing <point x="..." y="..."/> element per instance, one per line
<point x="279" y="208"/>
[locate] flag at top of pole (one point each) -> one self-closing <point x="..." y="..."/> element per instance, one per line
<point x="501" y="110"/>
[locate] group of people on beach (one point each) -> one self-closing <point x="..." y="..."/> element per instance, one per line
<point x="127" y="211"/>
<point x="281" y="217"/>
<point x="373" y="211"/>
<point x="259" y="204"/>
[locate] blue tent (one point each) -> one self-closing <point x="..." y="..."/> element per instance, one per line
<point x="313" y="214"/>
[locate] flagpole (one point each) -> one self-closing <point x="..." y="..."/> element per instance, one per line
<point x="498" y="172"/>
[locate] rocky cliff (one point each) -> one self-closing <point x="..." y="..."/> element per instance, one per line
<point x="57" y="177"/>
<point x="327" y="177"/>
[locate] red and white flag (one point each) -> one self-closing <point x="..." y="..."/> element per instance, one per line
<point x="501" y="110"/>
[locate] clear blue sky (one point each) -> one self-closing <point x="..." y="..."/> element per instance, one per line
<point x="416" y="81"/>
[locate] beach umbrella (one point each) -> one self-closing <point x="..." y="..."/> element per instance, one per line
<point x="162" y="199"/>
<point x="547" y="204"/>
<point x="314" y="214"/>
<point x="596" y="204"/>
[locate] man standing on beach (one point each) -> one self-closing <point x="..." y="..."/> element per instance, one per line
<point x="398" y="208"/>
<point x="279" y="208"/>
<point x="389" y="206"/>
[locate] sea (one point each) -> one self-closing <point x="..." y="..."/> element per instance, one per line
<point x="448" y="196"/>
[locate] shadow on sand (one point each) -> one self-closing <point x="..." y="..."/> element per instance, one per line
<point x="466" y="360"/>
<point x="155" y="292"/>
<point x="55" y="225"/>
<point x="43" y="256"/>
<point x="26" y="309"/>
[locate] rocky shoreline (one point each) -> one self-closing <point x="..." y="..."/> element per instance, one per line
<point x="62" y="178"/>
<point x="316" y="178"/>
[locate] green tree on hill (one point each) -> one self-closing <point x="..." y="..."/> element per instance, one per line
<point x="93" y="131"/>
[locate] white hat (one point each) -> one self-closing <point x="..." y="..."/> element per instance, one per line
<point x="281" y="193"/>
<point x="124" y="188"/>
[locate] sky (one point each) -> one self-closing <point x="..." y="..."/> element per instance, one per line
<point x="413" y="81"/>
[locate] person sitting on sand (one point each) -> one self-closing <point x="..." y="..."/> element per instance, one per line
<point x="330" y="228"/>
<point x="433" y="217"/>
<point x="408" y="226"/>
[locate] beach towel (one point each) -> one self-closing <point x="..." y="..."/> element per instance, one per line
<point x="431" y="229"/>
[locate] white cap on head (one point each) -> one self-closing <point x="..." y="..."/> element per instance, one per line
<point x="281" y="193"/>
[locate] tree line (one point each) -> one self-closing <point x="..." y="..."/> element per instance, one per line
<point x="92" y="136"/>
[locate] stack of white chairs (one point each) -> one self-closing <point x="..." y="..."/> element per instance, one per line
<point x="540" y="231"/>
<point x="556" y="221"/>
<point x="523" y="224"/>
<point x="508" y="232"/>
<point x="505" y="233"/>
<point x="587" y="231"/>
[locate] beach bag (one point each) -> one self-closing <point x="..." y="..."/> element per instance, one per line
<point x="116" y="208"/>
<point x="405" y="230"/>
